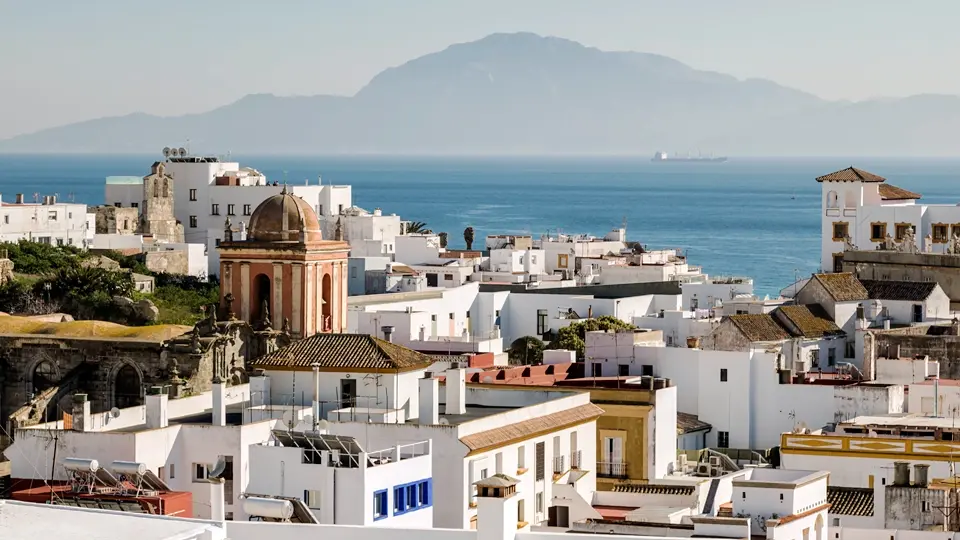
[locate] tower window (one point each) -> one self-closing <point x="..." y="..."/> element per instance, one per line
<point x="841" y="230"/>
<point x="193" y="194"/>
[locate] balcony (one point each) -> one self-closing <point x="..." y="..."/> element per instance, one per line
<point x="576" y="459"/>
<point x="558" y="463"/>
<point x="606" y="469"/>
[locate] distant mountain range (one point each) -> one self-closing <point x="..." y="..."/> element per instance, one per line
<point x="527" y="94"/>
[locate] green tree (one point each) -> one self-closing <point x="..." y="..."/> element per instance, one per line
<point x="573" y="337"/>
<point x="78" y="283"/>
<point x="468" y="237"/>
<point x="36" y="258"/>
<point x="418" y="227"/>
<point x="526" y="351"/>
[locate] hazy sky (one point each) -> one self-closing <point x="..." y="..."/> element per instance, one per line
<point x="63" y="60"/>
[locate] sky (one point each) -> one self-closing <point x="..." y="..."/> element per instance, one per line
<point x="65" y="61"/>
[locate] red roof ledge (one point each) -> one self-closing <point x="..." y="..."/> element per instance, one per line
<point x="851" y="174"/>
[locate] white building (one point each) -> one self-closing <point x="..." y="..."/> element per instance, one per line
<point x="46" y="220"/>
<point x="376" y="392"/>
<point x="562" y="250"/>
<point x="905" y="302"/>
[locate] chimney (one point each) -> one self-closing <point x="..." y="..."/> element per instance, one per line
<point x="497" y="508"/>
<point x="156" y="408"/>
<point x="217" y="512"/>
<point x="53" y="199"/>
<point x="886" y="324"/>
<point x="429" y="400"/>
<point x="19" y="198"/>
<point x="316" y="394"/>
<point x="456" y="391"/>
<point x="423" y="333"/>
<point x="219" y="405"/>
<point x="901" y="474"/>
<point x="920" y="475"/>
<point x="387" y="333"/>
<point x="81" y="413"/>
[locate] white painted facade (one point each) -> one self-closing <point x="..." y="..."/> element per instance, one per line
<point x="517" y="261"/>
<point x="48" y="222"/>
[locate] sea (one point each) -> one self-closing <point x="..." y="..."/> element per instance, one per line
<point x="746" y="217"/>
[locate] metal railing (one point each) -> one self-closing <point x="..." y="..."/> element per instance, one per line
<point x="558" y="462"/>
<point x="576" y="459"/>
<point x="606" y="469"/>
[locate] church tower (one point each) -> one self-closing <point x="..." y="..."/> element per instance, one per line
<point x="156" y="214"/>
<point x="283" y="274"/>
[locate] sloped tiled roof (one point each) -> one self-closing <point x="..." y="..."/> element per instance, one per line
<point x="654" y="489"/>
<point x="811" y="320"/>
<point x="759" y="327"/>
<point x="842" y="286"/>
<point x="501" y="436"/>
<point x="848" y="501"/>
<point x="851" y="174"/>
<point x="890" y="192"/>
<point x="689" y="423"/>
<point x="910" y="291"/>
<point x="344" y="352"/>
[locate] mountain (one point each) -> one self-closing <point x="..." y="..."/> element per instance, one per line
<point x="523" y="93"/>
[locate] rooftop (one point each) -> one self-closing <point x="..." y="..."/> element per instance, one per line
<point x="344" y="352"/>
<point x="842" y="287"/>
<point x="510" y="433"/>
<point x="765" y="477"/>
<point x="910" y="291"/>
<point x="759" y="327"/>
<point x="915" y="420"/>
<point x="124" y="180"/>
<point x="810" y="321"/>
<point x="29" y="520"/>
<point x="849" y="501"/>
<point x="890" y="192"/>
<point x="851" y="174"/>
<point x="690" y="423"/>
<point x="12" y="325"/>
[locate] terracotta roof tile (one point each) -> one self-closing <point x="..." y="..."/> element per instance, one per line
<point x="910" y="291"/>
<point x="851" y="174"/>
<point x="890" y="192"/>
<point x="810" y="321"/>
<point x="848" y="501"/>
<point x="344" y="352"/>
<point x="759" y="327"/>
<point x="842" y="287"/>
<point x="689" y="423"/>
<point x="547" y="423"/>
<point x="654" y="489"/>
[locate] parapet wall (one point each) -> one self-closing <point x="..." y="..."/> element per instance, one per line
<point x="895" y="265"/>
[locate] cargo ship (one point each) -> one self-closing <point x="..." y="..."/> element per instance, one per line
<point x="662" y="156"/>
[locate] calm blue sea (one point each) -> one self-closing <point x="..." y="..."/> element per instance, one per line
<point x="755" y="217"/>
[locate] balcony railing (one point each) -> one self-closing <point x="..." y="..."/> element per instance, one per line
<point x="558" y="463"/>
<point x="606" y="469"/>
<point x="576" y="459"/>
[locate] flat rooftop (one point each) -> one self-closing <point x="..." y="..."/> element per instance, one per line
<point x="780" y="476"/>
<point x="29" y="520"/>
<point x="905" y="420"/>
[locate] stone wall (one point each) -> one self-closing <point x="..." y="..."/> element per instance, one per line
<point x="113" y="220"/>
<point x="158" y="207"/>
<point x="170" y="262"/>
<point x="894" y="265"/>
<point x="939" y="343"/>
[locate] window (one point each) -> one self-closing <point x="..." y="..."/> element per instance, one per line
<point x="540" y="502"/>
<point x="132" y="205"/>
<point x="901" y="230"/>
<point x="311" y="498"/>
<point x="446" y="277"/>
<point x="433" y="318"/>
<point x="850" y="349"/>
<point x="831" y="356"/>
<point x="6" y="219"/>
<point x="533" y="259"/>
<point x="193" y="222"/>
<point x="52" y="215"/>
<point x="353" y="272"/>
<point x="918" y="313"/>
<point x="193" y="194"/>
<point x="483" y="473"/>
<point x="230" y="211"/>
<point x="451" y="316"/>
<point x="878" y="232"/>
<point x="940" y="233"/>
<point x="540" y="450"/>
<point x="521" y="457"/>
<point x="596" y="370"/>
<point x="743" y="494"/>
<point x="319" y="209"/>
<point x="59" y="241"/>
<point x="215" y="209"/>
<point x="815" y="358"/>
<point x="340" y="209"/>
<point x="838" y="262"/>
<point x="199" y="472"/>
<point x="216" y="242"/>
<point x="832" y="200"/>
<point x="423" y="492"/>
<point x="246" y="209"/>
<point x="118" y="205"/>
<point x="126" y="224"/>
<point x="723" y="439"/>
<point x="496" y="313"/>
<point x="646" y="370"/>
<point x="562" y="261"/>
<point x="781" y="496"/>
<point x="723" y="374"/>
<point x="409" y="497"/>
<point x="623" y="370"/>
<point x="499" y="461"/>
<point x="841" y="230"/>
<point x="542" y="324"/>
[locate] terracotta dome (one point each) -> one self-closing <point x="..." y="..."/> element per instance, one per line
<point x="282" y="218"/>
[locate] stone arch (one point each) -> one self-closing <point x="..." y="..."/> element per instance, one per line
<point x="326" y="293"/>
<point x="126" y="386"/>
<point x="156" y="189"/>
<point x="166" y="187"/>
<point x="833" y="201"/>
<point x="44" y="374"/>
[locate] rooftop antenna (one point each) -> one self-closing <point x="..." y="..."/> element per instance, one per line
<point x="188" y="147"/>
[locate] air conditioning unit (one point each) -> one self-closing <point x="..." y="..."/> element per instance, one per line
<point x="703" y="469"/>
<point x="716" y="471"/>
<point x="715" y="462"/>
<point x="682" y="462"/>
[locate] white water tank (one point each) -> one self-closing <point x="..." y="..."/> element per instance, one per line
<point x="128" y="467"/>
<point x="81" y="465"/>
<point x="268" y="508"/>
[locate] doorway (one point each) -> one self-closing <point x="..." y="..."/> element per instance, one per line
<point x="348" y="393"/>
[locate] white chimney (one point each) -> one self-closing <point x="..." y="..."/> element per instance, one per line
<point x="423" y="333"/>
<point x="387" y="333"/>
<point x="19" y="198"/>
<point x="157" y="408"/>
<point x="217" y="512"/>
<point x="81" y="413"/>
<point x="497" y="509"/>
<point x="886" y="324"/>
<point x="316" y="394"/>
<point x="456" y="391"/>
<point x="219" y="405"/>
<point x="429" y="400"/>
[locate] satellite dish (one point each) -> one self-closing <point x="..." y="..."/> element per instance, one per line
<point x="114" y="413"/>
<point x="182" y="152"/>
<point x="218" y="469"/>
<point x="444" y="421"/>
<point x="323" y="425"/>
<point x="166" y="151"/>
<point x="307" y="419"/>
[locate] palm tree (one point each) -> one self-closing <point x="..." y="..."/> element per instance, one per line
<point x="418" y="227"/>
<point x="468" y="237"/>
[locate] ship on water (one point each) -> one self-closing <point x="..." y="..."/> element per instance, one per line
<point x="663" y="156"/>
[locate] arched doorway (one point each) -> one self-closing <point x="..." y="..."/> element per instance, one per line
<point x="326" y="293"/>
<point x="261" y="294"/>
<point x="45" y="376"/>
<point x="127" y="387"/>
<point x="818" y="527"/>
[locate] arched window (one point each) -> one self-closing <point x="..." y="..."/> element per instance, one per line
<point x="127" y="387"/>
<point x="832" y="200"/>
<point x="44" y="376"/>
<point x="261" y="294"/>
<point x="156" y="188"/>
<point x="326" y="288"/>
<point x="166" y="187"/>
